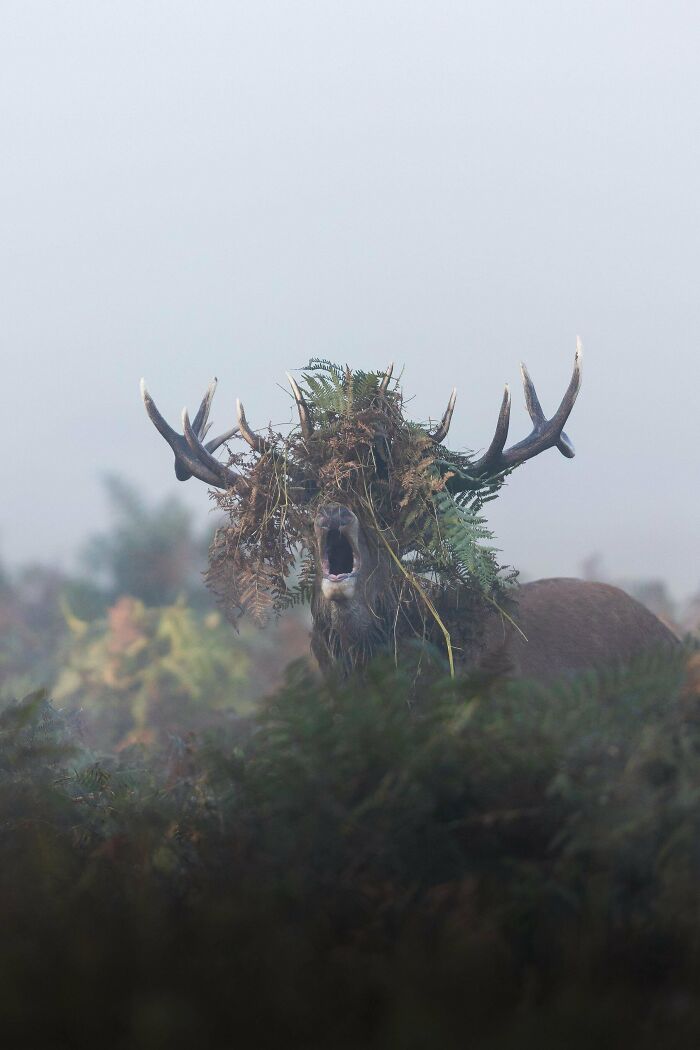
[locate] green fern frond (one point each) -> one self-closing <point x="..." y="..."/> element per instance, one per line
<point x="332" y="390"/>
<point x="461" y="537"/>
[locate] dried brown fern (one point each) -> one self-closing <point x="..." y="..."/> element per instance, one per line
<point x="362" y="449"/>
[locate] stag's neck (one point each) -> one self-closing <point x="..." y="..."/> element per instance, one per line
<point x="346" y="637"/>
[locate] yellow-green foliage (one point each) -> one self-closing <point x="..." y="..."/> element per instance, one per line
<point x="143" y="670"/>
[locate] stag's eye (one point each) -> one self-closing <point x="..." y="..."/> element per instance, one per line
<point x="339" y="553"/>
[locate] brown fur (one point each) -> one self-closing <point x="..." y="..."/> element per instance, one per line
<point x="571" y="625"/>
<point x="564" y="625"/>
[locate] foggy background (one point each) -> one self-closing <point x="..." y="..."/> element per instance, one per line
<point x="191" y="189"/>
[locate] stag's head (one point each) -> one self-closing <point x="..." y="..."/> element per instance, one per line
<point x="360" y="510"/>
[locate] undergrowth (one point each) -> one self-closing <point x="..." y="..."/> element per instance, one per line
<point x="498" y="865"/>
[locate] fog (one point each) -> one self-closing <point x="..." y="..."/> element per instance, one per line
<point x="191" y="189"/>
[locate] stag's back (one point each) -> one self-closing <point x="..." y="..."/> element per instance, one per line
<point x="571" y="625"/>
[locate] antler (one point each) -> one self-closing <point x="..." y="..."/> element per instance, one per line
<point x="257" y="443"/>
<point x="386" y="378"/>
<point x="307" y="427"/>
<point x="439" y="435"/>
<point x="545" y="433"/>
<point x="192" y="458"/>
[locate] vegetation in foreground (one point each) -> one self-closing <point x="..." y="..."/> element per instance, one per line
<point x="494" y="866"/>
<point x="182" y="865"/>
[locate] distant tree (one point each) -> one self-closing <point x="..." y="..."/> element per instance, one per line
<point x="592" y="568"/>
<point x="142" y="672"/>
<point x="691" y="616"/>
<point x="656" y="596"/>
<point x="652" y="592"/>
<point x="149" y="552"/>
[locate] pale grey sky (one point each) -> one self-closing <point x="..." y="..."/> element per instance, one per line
<point x="229" y="188"/>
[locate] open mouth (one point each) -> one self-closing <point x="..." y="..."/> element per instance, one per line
<point x="339" y="558"/>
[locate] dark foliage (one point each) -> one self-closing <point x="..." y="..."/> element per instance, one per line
<point x="499" y="866"/>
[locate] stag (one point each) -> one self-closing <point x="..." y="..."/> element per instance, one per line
<point x="368" y="595"/>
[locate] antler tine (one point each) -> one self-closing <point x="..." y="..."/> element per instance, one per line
<point x="256" y="442"/>
<point x="226" y="477"/>
<point x="200" y="423"/>
<point x="188" y="463"/>
<point x="532" y="402"/>
<point x="201" y="426"/>
<point x="161" y="425"/>
<point x="439" y="435"/>
<point x="211" y="446"/>
<point x="386" y="378"/>
<point x="494" y="451"/>
<point x="565" y="444"/>
<point x="307" y="427"/>
<point x="545" y="433"/>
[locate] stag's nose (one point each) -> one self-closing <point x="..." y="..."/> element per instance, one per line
<point x="334" y="516"/>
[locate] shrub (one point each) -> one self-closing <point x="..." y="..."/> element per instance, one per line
<point x="145" y="672"/>
<point x="498" y="865"/>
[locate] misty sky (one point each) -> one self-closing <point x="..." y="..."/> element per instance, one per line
<point x="230" y="188"/>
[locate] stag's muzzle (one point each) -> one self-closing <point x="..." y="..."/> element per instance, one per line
<point x="337" y="534"/>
